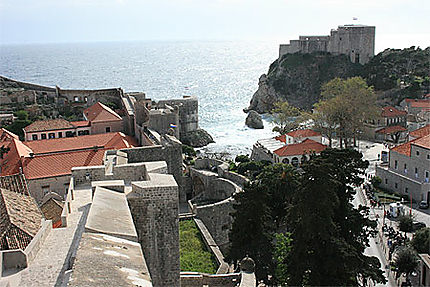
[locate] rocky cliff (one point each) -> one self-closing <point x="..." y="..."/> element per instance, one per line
<point x="297" y="78"/>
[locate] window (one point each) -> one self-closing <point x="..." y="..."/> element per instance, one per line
<point x="43" y="136"/>
<point x="60" y="135"/>
<point x="428" y="156"/>
<point x="108" y="129"/>
<point x="80" y="133"/>
<point x="85" y="99"/>
<point x="386" y="181"/>
<point x="34" y="137"/>
<point x="418" y="153"/>
<point x="51" y="135"/>
<point x="406" y="168"/>
<point x="426" y="176"/>
<point x="416" y="172"/>
<point x="76" y="99"/>
<point x="45" y="189"/>
<point x="396" y="185"/>
<point x="395" y="164"/>
<point x="406" y="190"/>
<point x="69" y="134"/>
<point x="285" y="160"/>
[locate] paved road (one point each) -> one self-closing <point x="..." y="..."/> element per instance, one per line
<point x="375" y="248"/>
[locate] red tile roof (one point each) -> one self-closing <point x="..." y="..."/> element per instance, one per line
<point x="390" y="111"/>
<point x="391" y="129"/>
<point x="421" y="104"/>
<point x="48" y="125"/>
<point x="10" y="163"/>
<point x="307" y="146"/>
<point x="108" y="140"/>
<point x="282" y="138"/>
<point x="60" y="164"/>
<point x="404" y="149"/>
<point x="421" y="132"/>
<point x="57" y="156"/>
<point x="303" y="133"/>
<point x="423" y="142"/>
<point x="79" y="124"/>
<point x="101" y="113"/>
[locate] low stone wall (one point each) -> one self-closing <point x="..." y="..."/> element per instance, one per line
<point x="207" y="163"/>
<point x="127" y="172"/>
<point x="195" y="279"/>
<point x="238" y="179"/>
<point x="217" y="219"/>
<point x="38" y="240"/>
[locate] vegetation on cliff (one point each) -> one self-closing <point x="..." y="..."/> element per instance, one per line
<point x="297" y="78"/>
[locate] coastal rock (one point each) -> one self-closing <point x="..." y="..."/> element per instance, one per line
<point x="253" y="120"/>
<point x="297" y="78"/>
<point x="197" y="138"/>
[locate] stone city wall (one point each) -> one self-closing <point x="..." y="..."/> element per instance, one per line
<point x="154" y="206"/>
<point x="57" y="184"/>
<point x="195" y="279"/>
<point x="127" y="172"/>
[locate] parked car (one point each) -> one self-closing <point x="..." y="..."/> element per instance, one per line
<point x="423" y="205"/>
<point x="418" y="225"/>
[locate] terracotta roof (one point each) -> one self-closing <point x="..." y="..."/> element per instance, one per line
<point x="115" y="140"/>
<point x="101" y="113"/>
<point x="403" y="148"/>
<point x="421" y="132"/>
<point x="423" y="142"/>
<point x="303" y="133"/>
<point x="421" y="104"/>
<point x="282" y="138"/>
<point x="48" y="125"/>
<point x="60" y="164"/>
<point x="10" y="162"/>
<point x="390" y="111"/>
<point x="391" y="129"/>
<point x="79" y="124"/>
<point x="22" y="211"/>
<point x="307" y="146"/>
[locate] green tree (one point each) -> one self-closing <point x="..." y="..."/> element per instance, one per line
<point x="421" y="240"/>
<point x="21" y="122"/>
<point x="281" y="254"/>
<point x="242" y="158"/>
<point x="328" y="233"/>
<point x="406" y="261"/>
<point x="345" y="106"/>
<point x="287" y="118"/>
<point x="188" y="150"/>
<point x="259" y="214"/>
<point x="405" y="223"/>
<point x="376" y="181"/>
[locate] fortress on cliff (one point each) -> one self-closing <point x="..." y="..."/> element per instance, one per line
<point x="356" y="41"/>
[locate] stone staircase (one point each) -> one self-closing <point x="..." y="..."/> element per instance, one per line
<point x="16" y="183"/>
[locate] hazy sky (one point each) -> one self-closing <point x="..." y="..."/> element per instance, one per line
<point x="398" y="23"/>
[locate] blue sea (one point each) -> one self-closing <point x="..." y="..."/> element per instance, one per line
<point x="223" y="75"/>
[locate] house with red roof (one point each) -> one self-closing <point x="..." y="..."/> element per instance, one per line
<point x="418" y="133"/>
<point x="408" y="169"/>
<point x="390" y="126"/>
<point x="99" y="118"/>
<point x="291" y="148"/>
<point x="103" y="119"/>
<point x="46" y="164"/>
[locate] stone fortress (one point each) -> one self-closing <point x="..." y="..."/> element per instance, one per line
<point x="119" y="224"/>
<point x="355" y="41"/>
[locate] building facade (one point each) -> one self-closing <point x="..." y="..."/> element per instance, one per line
<point x="355" y="41"/>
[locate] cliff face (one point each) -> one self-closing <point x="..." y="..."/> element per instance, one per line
<point x="297" y="78"/>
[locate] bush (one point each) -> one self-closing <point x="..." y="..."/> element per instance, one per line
<point x="421" y="241"/>
<point x="242" y="158"/>
<point x="405" y="223"/>
<point x="376" y="181"/>
<point x="188" y="150"/>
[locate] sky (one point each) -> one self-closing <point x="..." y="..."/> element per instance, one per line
<point x="399" y="23"/>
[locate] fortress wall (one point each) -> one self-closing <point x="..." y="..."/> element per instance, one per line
<point x="171" y="153"/>
<point x="217" y="219"/>
<point x="154" y="206"/>
<point x="57" y="184"/>
<point x="160" y="121"/>
<point x="93" y="96"/>
<point x="188" y="113"/>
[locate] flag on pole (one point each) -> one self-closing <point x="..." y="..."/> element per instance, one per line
<point x="173" y="126"/>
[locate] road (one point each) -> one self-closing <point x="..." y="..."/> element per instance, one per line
<point x="375" y="248"/>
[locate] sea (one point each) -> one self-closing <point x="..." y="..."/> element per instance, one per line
<point x="222" y="75"/>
